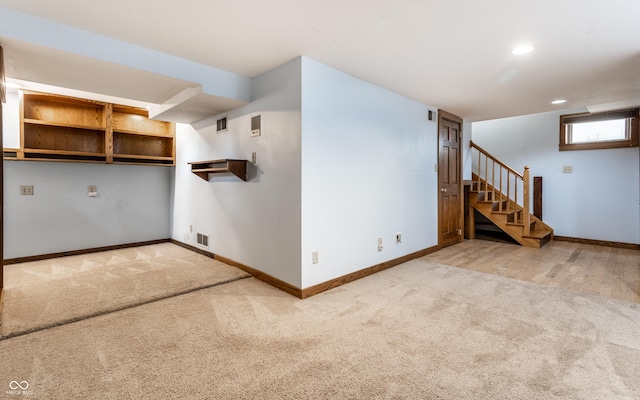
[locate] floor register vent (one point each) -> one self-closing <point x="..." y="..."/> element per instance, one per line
<point x="203" y="239"/>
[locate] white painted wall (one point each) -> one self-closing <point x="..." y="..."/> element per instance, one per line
<point x="600" y="200"/>
<point x="368" y="159"/>
<point x="256" y="223"/>
<point x="132" y="203"/>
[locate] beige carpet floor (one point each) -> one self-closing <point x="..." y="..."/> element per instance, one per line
<point x="416" y="331"/>
<point x="51" y="292"/>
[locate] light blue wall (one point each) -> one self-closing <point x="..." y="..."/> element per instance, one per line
<point x="132" y="203"/>
<point x="368" y="158"/>
<point x="600" y="200"/>
<point x="256" y="223"/>
<point x="132" y="206"/>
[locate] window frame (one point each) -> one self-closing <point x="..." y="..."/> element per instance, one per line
<point x="634" y="129"/>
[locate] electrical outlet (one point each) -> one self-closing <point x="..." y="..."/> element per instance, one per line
<point x="398" y="237"/>
<point x="567" y="169"/>
<point x="380" y="247"/>
<point x="315" y="257"/>
<point x="253" y="157"/>
<point x="190" y="228"/>
<point x="26" y="190"/>
<point x="92" y="191"/>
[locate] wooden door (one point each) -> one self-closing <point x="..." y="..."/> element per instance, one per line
<point x="450" y="201"/>
<point x="2" y="100"/>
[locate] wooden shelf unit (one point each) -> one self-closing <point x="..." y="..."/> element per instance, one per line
<point x="60" y="128"/>
<point x="138" y="139"/>
<point x="222" y="166"/>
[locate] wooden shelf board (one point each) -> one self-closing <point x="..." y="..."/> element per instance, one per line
<point x="233" y="166"/>
<point x="142" y="157"/>
<point x="220" y="161"/>
<point x="10" y="154"/>
<point x="140" y="133"/>
<point x="61" y="98"/>
<point x="65" y="152"/>
<point x="151" y="163"/>
<point x="67" y="160"/>
<point x="119" y="108"/>
<point x="98" y="129"/>
<point x="212" y="170"/>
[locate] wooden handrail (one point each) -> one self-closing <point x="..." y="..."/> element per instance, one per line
<point x="488" y="186"/>
<point x="503" y="165"/>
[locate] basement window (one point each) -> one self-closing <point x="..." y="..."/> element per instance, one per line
<point x="606" y="130"/>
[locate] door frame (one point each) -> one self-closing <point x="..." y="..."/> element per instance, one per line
<point x="444" y="115"/>
<point x="2" y="99"/>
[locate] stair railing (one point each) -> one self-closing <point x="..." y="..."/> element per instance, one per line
<point x="511" y="187"/>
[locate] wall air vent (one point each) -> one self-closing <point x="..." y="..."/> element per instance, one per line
<point x="203" y="239"/>
<point x="221" y="124"/>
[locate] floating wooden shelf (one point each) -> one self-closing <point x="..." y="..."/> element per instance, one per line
<point x="223" y="166"/>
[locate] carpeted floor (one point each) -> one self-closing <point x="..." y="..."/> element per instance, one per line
<point x="416" y="331"/>
<point x="51" y="292"/>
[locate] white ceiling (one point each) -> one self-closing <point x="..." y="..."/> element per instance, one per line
<point x="450" y="54"/>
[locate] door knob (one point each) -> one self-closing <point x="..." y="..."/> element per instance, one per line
<point x="443" y="190"/>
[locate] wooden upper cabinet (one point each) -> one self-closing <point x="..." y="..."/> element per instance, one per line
<point x="60" y="128"/>
<point x="64" y="111"/>
<point x="138" y="139"/>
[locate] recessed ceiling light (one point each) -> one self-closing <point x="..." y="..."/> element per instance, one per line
<point x="524" y="49"/>
<point x="559" y="101"/>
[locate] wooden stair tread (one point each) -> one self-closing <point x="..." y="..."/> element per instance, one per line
<point x="505" y="212"/>
<point x="537" y="234"/>
<point x="510" y="222"/>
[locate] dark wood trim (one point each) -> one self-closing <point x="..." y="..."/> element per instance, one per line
<point x="322" y="287"/>
<point x="451" y="117"/>
<point x="193" y="248"/>
<point x="607" y="243"/>
<point x="261" y="276"/>
<point x="633" y="141"/>
<point x="442" y="115"/>
<point x="472" y="145"/>
<point x="266" y="278"/>
<point x="81" y="252"/>
<point x="312" y="290"/>
<point x="537" y="197"/>
<point x="1" y="186"/>
<point x="3" y="99"/>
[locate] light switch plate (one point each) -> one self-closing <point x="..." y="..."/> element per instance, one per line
<point x="255" y="125"/>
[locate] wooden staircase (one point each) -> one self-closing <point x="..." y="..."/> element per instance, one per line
<point x="501" y="194"/>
